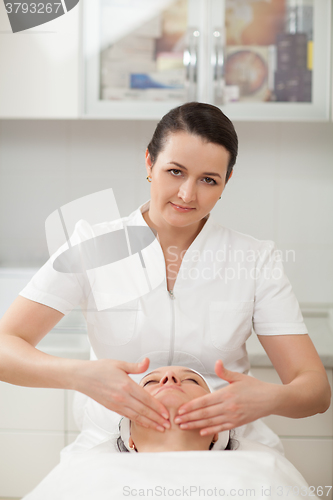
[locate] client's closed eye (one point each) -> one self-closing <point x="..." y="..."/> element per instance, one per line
<point x="149" y="381"/>
<point x="192" y="380"/>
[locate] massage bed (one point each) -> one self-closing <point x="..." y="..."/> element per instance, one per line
<point x="102" y="473"/>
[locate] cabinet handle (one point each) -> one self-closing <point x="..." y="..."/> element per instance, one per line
<point x="190" y="62"/>
<point x="218" y="68"/>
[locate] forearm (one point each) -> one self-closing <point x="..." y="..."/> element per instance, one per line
<point x="22" y="364"/>
<point x="308" y="394"/>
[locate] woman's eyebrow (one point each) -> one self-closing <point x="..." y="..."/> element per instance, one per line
<point x="182" y="166"/>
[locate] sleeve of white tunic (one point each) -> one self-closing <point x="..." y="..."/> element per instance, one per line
<point x="276" y="309"/>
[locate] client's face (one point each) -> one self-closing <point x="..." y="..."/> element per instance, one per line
<point x="173" y="386"/>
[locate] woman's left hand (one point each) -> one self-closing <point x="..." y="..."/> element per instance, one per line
<point x="244" y="400"/>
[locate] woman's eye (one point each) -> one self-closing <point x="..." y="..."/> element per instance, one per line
<point x="209" y="180"/>
<point x="192" y="380"/>
<point x="149" y="382"/>
<point x="173" y="170"/>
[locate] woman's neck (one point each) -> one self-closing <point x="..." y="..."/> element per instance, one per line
<point x="170" y="236"/>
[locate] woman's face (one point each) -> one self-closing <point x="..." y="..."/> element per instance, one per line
<point x="174" y="385"/>
<point x="190" y="173"/>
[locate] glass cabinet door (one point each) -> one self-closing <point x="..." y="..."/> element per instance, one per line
<point x="256" y="59"/>
<point x="276" y="59"/>
<point x="140" y="56"/>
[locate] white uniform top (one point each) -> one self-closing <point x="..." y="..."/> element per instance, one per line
<point x="228" y="283"/>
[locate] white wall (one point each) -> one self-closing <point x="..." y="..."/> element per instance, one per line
<point x="282" y="188"/>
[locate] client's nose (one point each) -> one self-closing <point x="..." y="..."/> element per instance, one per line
<point x="170" y="378"/>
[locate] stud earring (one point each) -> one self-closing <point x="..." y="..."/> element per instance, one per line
<point x="148" y="178"/>
<point x="220" y="197"/>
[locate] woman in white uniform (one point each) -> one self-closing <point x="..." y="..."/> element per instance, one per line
<point x="204" y="288"/>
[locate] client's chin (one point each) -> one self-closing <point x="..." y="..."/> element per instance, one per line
<point x="173" y="439"/>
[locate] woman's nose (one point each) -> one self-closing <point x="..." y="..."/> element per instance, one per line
<point x="187" y="191"/>
<point x="170" y="378"/>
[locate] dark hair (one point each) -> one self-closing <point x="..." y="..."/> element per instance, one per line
<point x="232" y="444"/>
<point x="203" y="120"/>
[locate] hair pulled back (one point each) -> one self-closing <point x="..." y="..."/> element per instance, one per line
<point x="200" y="119"/>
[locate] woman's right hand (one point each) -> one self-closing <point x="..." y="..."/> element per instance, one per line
<point x="107" y="382"/>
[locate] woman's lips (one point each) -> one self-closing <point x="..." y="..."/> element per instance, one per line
<point x="169" y="387"/>
<point x="180" y="208"/>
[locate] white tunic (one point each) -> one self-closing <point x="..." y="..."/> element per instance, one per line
<point x="228" y="283"/>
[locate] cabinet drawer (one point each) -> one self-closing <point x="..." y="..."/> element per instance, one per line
<point x="25" y="459"/>
<point x="314" y="460"/>
<point x="320" y="425"/>
<point x="27" y="408"/>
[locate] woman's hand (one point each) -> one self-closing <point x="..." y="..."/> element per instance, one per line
<point x="107" y="382"/>
<point x="244" y="400"/>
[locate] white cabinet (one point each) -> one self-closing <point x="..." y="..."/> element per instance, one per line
<point x="26" y="458"/>
<point x="35" y="425"/>
<point x="308" y="442"/>
<point x="256" y="60"/>
<point x="39" y="68"/>
<point x="139" y="58"/>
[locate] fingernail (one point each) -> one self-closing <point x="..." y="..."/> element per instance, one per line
<point x="203" y="433"/>
<point x="178" y="420"/>
<point x="165" y="415"/>
<point x="167" y="425"/>
<point x="181" y="412"/>
<point x="183" y="426"/>
<point x="160" y="428"/>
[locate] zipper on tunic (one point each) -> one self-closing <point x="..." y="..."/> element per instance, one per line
<point x="172" y="337"/>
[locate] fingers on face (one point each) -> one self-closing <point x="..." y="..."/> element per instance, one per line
<point x="143" y="420"/>
<point x="198" y="403"/>
<point x="203" y="412"/>
<point x="141" y="395"/>
<point x="144" y="410"/>
<point x="201" y="423"/>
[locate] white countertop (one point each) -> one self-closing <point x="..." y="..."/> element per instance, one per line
<point x="320" y="329"/>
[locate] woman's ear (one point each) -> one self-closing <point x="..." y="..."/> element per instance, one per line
<point x="148" y="162"/>
<point x="131" y="443"/>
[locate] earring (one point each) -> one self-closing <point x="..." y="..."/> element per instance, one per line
<point x="132" y="447"/>
<point x="148" y="178"/>
<point x="220" y="197"/>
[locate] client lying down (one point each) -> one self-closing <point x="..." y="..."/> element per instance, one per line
<point x="173" y="386"/>
<point x="176" y="462"/>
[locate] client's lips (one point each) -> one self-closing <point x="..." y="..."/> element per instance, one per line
<point x="169" y="387"/>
